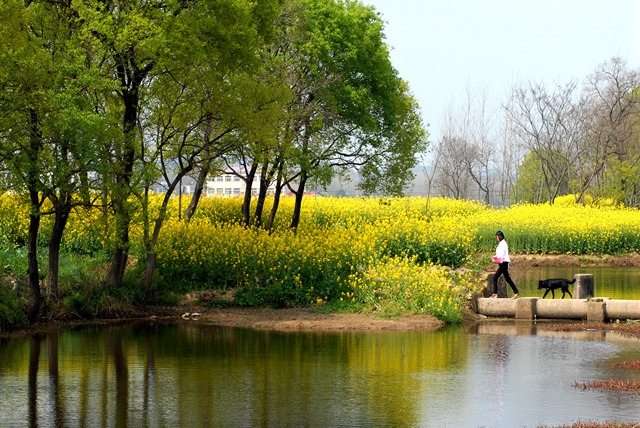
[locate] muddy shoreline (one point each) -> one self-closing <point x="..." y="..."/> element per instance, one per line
<point x="311" y="319"/>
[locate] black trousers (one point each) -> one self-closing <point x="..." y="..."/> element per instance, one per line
<point x="503" y="269"/>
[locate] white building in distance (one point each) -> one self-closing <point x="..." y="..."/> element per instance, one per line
<point x="228" y="184"/>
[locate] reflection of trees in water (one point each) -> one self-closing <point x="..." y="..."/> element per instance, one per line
<point x="190" y="374"/>
<point x="53" y="415"/>
<point x="34" y="360"/>
<point x="121" y="378"/>
<point x="499" y="354"/>
<point x="54" y="381"/>
<point x="110" y="372"/>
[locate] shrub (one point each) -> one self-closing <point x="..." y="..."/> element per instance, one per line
<point x="12" y="313"/>
<point x="399" y="285"/>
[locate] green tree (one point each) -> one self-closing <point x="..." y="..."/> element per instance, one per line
<point x="48" y="125"/>
<point x="202" y="102"/>
<point x="529" y="183"/>
<point x="143" y="45"/>
<point x="350" y="111"/>
<point x="23" y="73"/>
<point x="128" y="38"/>
<point x="532" y="183"/>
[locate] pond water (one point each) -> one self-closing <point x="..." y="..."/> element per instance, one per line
<point x="500" y="374"/>
<point x="613" y="282"/>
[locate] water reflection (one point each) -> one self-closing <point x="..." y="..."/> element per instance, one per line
<point x="613" y="282"/>
<point x="191" y="374"/>
<point x="499" y="356"/>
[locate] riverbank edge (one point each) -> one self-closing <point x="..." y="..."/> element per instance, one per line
<point x="310" y="319"/>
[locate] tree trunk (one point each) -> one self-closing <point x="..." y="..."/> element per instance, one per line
<point x="151" y="250"/>
<point x="262" y="194"/>
<point x="276" y="202"/>
<point x="195" y="198"/>
<point x="246" y="203"/>
<point x="115" y="274"/>
<point x="197" y="193"/>
<point x="131" y="78"/>
<point x="59" y="225"/>
<point x="295" y="218"/>
<point x="150" y="242"/>
<point x="35" y="144"/>
<point x="35" y="297"/>
<point x="148" y="273"/>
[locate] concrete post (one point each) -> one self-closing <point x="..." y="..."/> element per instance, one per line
<point x="584" y="286"/>
<point x="502" y="286"/>
<point x="526" y="308"/>
<point x="595" y="310"/>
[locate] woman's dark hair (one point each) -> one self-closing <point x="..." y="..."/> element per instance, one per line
<point x="500" y="235"/>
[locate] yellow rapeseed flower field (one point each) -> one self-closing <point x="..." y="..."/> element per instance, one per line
<point x="390" y="255"/>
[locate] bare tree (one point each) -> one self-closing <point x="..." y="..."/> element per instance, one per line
<point x="465" y="155"/>
<point x="611" y="101"/>
<point x="479" y="156"/>
<point x="451" y="178"/>
<point x="506" y="168"/>
<point x="547" y="124"/>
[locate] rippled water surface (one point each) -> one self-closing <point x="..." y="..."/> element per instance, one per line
<point x="507" y="374"/>
<point x="613" y="282"/>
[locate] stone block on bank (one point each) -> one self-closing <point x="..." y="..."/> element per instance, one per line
<point x="584" y="286"/>
<point x="622" y="309"/>
<point x="497" y="307"/>
<point x="526" y="308"/>
<point x="596" y="311"/>
<point x="561" y="309"/>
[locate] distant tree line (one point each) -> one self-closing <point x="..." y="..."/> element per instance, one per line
<point x="577" y="138"/>
<point x="102" y="99"/>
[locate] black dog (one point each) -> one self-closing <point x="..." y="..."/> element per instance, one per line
<point x="555" y="283"/>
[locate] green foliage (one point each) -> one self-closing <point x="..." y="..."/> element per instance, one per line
<point x="354" y="109"/>
<point x="396" y="286"/>
<point x="82" y="292"/>
<point x="91" y="301"/>
<point x="346" y="304"/>
<point x="217" y="303"/>
<point x="80" y="269"/>
<point x="14" y="288"/>
<point x="12" y="309"/>
<point x="622" y="182"/>
<point x="531" y="186"/>
<point x="276" y="295"/>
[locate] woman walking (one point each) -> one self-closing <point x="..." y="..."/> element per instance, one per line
<point x="502" y="258"/>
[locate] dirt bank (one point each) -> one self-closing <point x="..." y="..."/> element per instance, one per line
<point x="526" y="260"/>
<point x="309" y="319"/>
<point x="303" y="319"/>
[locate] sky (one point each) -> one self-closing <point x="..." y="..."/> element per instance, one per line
<point x="444" y="47"/>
